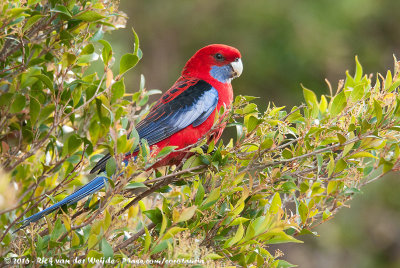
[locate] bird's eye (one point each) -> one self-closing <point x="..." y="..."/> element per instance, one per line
<point x="219" y="57"/>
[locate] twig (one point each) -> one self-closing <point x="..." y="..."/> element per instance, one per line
<point x="128" y="241"/>
<point x="292" y="112"/>
<point x="174" y="174"/>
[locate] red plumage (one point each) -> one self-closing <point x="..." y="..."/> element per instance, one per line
<point x="186" y="112"/>
<point x="197" y="68"/>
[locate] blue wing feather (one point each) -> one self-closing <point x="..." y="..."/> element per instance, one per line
<point x="192" y="106"/>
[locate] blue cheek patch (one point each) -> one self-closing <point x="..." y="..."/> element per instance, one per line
<point x="221" y="73"/>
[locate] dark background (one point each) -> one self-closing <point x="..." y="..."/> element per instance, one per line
<point x="285" y="43"/>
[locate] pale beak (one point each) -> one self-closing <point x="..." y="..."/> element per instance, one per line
<point x="237" y="67"/>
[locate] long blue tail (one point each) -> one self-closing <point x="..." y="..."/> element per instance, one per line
<point x="93" y="186"/>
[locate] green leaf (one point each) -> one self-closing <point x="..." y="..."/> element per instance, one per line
<point x="62" y="10"/>
<point x="98" y="35"/>
<point x="239" y="132"/>
<point x="5" y="99"/>
<point x="107" y="220"/>
<point x="236" y="238"/>
<point x="340" y="165"/>
<point x="106" y="52"/>
<point x="326" y="214"/>
<point x="332" y="187"/>
<point x="193" y="161"/>
<point x="284" y="264"/>
<point x="173" y="231"/>
<point x="303" y="212"/>
<point x="147" y="240"/>
<point x="88" y="49"/>
<point x="154" y="215"/>
<point x="94" y="254"/>
<point x="238" y="221"/>
<point x="76" y="95"/>
<point x="127" y="62"/>
<point x="250" y="108"/>
<point x="347" y="148"/>
<point x="134" y="185"/>
<point x="164" y="223"/>
<point x="211" y="146"/>
<point x="136" y="48"/>
<point x="357" y="93"/>
<point x="34" y="109"/>
<point x="57" y="230"/>
<point x="211" y="199"/>
<point x="28" y="79"/>
<point x="75" y="240"/>
<point x="289" y="185"/>
<point x="31" y="21"/>
<point x="85" y="59"/>
<point x="117" y="90"/>
<point x="68" y="59"/>
<point x="378" y="111"/>
<point x="161" y="246"/>
<point x="252" y="123"/>
<point x="266" y="144"/>
<point x="342" y="139"/>
<point x="74" y="142"/>
<point x="139" y="53"/>
<point x="111" y="166"/>
<point x="359" y="71"/>
<point x="121" y="144"/>
<point x="388" y="80"/>
<point x="187" y="214"/>
<point x="89" y="16"/>
<point x="323" y="105"/>
<point x="276" y="204"/>
<point x="362" y="155"/>
<point x="310" y="97"/>
<point x="349" y="83"/>
<point x="18" y="104"/>
<point x="211" y="256"/>
<point x="166" y="151"/>
<point x="199" y="195"/>
<point x="15" y="12"/>
<point x="7" y="239"/>
<point x="45" y="80"/>
<point x="46" y="112"/>
<point x="142" y="82"/>
<point x="338" y="103"/>
<point x="312" y="101"/>
<point x="106" y="249"/>
<point x="287" y="154"/>
<point x="134" y="135"/>
<point x="144" y="100"/>
<point x="395" y="85"/>
<point x="281" y="237"/>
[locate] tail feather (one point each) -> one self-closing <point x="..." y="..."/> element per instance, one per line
<point x="93" y="186"/>
<point x="101" y="164"/>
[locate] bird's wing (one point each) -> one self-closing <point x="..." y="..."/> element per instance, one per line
<point x="188" y="102"/>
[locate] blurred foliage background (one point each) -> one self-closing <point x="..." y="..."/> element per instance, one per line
<point x="283" y="44"/>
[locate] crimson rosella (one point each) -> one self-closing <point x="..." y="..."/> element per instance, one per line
<point x="181" y="117"/>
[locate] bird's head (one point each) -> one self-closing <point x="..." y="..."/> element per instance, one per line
<point x="219" y="62"/>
